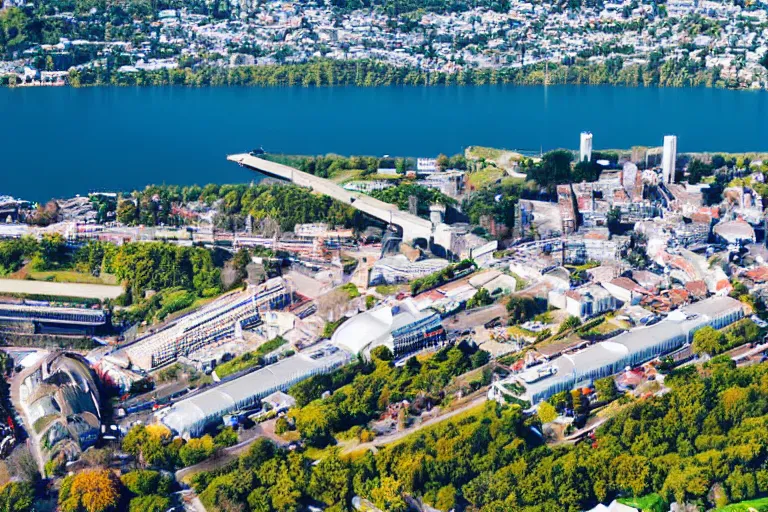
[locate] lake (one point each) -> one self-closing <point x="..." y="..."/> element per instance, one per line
<point x="57" y="142"/>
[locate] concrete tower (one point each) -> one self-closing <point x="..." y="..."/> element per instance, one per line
<point x="585" y="147"/>
<point x="668" y="159"/>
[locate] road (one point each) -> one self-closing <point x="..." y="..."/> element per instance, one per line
<point x="227" y="455"/>
<point x="413" y="226"/>
<point x="88" y="291"/>
<point x="397" y="436"/>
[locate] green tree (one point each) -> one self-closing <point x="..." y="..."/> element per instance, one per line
<point x="442" y="162"/>
<point x="382" y="353"/>
<point x="585" y="171"/>
<point x="606" y="389"/>
<point x="446" y="498"/>
<point x="127" y="213"/>
<point x="479" y="299"/>
<point x="708" y="340"/>
<point x="698" y="170"/>
<point x="569" y="323"/>
<point x="331" y="481"/>
<point x="546" y="412"/>
<point x="144" y="482"/>
<point x="388" y="495"/>
<point x="554" y="169"/>
<point x="196" y="450"/>
<point x="521" y="309"/>
<point x="149" y="503"/>
<point x="17" y="497"/>
<point x="314" y="424"/>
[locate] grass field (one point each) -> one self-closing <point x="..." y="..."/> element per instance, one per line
<point x="478" y="152"/>
<point x="485" y="177"/>
<point x="648" y="503"/>
<point x="70" y="276"/>
<point x="503" y="158"/>
<point x="759" y="505"/>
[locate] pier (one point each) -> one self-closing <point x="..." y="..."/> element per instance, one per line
<point x="412" y="226"/>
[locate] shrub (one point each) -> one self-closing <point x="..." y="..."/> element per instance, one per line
<point x="196" y="450"/>
<point x="150" y="503"/>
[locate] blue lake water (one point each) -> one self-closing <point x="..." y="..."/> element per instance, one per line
<point x="56" y="142"/>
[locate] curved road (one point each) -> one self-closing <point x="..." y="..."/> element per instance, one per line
<point x="396" y="436"/>
<point x="227" y="455"/>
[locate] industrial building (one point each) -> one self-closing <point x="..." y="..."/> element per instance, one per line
<point x="627" y="349"/>
<point x="193" y="416"/>
<point x="223" y="318"/>
<point x="35" y="319"/>
<point x="399" y="269"/>
<point x="60" y="398"/>
<point x="402" y="328"/>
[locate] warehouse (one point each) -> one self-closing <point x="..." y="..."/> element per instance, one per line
<point x="191" y="417"/>
<point x="628" y="349"/>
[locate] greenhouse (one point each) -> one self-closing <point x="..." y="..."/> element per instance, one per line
<point x="193" y="416"/>
<point x="626" y="350"/>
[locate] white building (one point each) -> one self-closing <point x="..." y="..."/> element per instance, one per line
<point x="401" y="327"/>
<point x="668" y="158"/>
<point x="589" y="301"/>
<point x="399" y="269"/>
<point x="580" y="369"/>
<point x="426" y="165"/>
<point x="367" y="186"/>
<point x="585" y="147"/>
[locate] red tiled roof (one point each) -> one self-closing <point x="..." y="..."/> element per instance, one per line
<point x="697" y="288"/>
<point x="626" y="283"/>
<point x="758" y="275"/>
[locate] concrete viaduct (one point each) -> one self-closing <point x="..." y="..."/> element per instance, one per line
<point x="412" y="226"/>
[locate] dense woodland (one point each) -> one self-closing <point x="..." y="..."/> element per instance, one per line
<point x="284" y="206"/>
<point x="704" y="442"/>
<point x="671" y="73"/>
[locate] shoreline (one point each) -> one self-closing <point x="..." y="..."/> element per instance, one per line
<point x="370" y="73"/>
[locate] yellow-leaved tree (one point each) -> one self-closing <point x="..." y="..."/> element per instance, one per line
<point x="94" y="490"/>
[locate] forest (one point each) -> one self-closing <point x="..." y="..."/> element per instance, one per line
<point x="284" y="206"/>
<point x="366" y="73"/>
<point x="705" y="442"/>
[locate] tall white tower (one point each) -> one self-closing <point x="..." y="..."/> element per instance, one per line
<point x="668" y="158"/>
<point x="585" y="147"/>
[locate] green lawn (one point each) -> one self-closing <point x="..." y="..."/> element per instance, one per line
<point x="485" y="177"/>
<point x="648" y="503"/>
<point x="249" y="359"/>
<point x="760" y="505"/>
<point x="71" y="276"/>
<point x="483" y="152"/>
<point x="388" y="289"/>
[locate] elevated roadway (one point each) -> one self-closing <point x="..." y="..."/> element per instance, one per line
<point x="412" y="226"/>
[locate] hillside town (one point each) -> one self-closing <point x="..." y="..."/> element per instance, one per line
<point x="178" y="334"/>
<point x="670" y="43"/>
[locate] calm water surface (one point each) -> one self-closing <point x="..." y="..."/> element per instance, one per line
<point x="56" y="142"/>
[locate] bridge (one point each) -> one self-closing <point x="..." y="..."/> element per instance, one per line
<point x="412" y="226"/>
